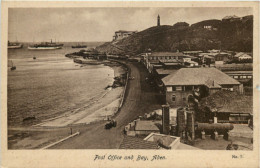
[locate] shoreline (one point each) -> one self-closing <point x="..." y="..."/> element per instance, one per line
<point x="106" y="105"/>
<point x="19" y="136"/>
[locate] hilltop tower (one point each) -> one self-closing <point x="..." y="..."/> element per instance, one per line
<point x="158" y="20"/>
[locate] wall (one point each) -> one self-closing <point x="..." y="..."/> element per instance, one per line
<point x="179" y="95"/>
<point x="146" y="132"/>
<point x="213" y="90"/>
<point x="236" y="88"/>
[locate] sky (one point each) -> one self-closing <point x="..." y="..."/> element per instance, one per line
<point x="99" y="24"/>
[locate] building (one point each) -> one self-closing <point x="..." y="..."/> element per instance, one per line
<point x="179" y="86"/>
<point x="142" y="127"/>
<point x="231" y="18"/>
<point x="242" y="56"/>
<point x="241" y="76"/>
<point x="222" y="56"/>
<point x="180" y="25"/>
<point x="168" y="142"/>
<point x="122" y="34"/>
<point x="227" y="106"/>
<point x="235" y="67"/>
<point x="210" y="25"/>
<point x="208" y="58"/>
<point x="192" y="53"/>
<point x="146" y="127"/>
<point x="155" y="141"/>
<point x="165" y="56"/>
<point x="137" y="143"/>
<point x="158" y="59"/>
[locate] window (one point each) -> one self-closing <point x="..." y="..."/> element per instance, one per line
<point x="178" y="88"/>
<point x="173" y="97"/>
<point x="236" y="77"/>
<point x="249" y="77"/>
<point x="174" y="88"/>
<point x="244" y="77"/>
<point x="188" y="88"/>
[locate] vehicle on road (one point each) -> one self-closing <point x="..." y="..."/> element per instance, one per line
<point x="110" y="124"/>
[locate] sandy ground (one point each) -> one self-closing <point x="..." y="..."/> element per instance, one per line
<point x="97" y="110"/>
<point x="52" y="130"/>
<point x="141" y="98"/>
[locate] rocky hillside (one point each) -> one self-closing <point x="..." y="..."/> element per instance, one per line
<point x="236" y="35"/>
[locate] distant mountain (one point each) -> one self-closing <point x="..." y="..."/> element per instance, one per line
<point x="227" y="34"/>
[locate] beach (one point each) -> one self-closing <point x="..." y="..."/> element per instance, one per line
<point x="52" y="92"/>
<point x="140" y="98"/>
<point x="99" y="108"/>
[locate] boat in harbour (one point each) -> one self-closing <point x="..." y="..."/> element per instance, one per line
<point x="14" y="45"/>
<point x="46" y="46"/>
<point x="12" y="67"/>
<point x="79" y="46"/>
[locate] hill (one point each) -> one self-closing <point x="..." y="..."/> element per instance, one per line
<point x="235" y="35"/>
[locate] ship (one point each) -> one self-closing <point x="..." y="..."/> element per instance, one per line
<point x="14" y="45"/>
<point x="79" y="46"/>
<point x="46" y="46"/>
<point x="12" y="67"/>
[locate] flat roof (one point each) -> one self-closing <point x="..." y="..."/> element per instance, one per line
<point x="162" y="54"/>
<point x="146" y="126"/>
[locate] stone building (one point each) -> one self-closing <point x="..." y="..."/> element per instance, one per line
<point x="122" y="34"/>
<point x="180" y="85"/>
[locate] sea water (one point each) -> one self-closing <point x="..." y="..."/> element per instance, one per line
<point x="51" y="84"/>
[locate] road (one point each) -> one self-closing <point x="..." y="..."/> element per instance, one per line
<point x="140" y="98"/>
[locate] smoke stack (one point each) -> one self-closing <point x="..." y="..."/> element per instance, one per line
<point x="180" y="121"/>
<point x="165" y="119"/>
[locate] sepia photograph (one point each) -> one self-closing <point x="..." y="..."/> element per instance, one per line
<point x="139" y="78"/>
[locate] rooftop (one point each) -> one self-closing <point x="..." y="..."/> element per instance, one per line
<point x="162" y="54"/>
<point x="169" y="61"/>
<point x="241" y="54"/>
<point x="146" y="125"/>
<point x="168" y="142"/>
<point x="237" y="67"/>
<point x="227" y="101"/>
<point x="231" y="17"/>
<point x="137" y="143"/>
<point x="192" y="52"/>
<point x="165" y="71"/>
<point x="198" y="76"/>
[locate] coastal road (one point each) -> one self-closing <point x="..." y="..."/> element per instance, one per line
<point x="140" y="98"/>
